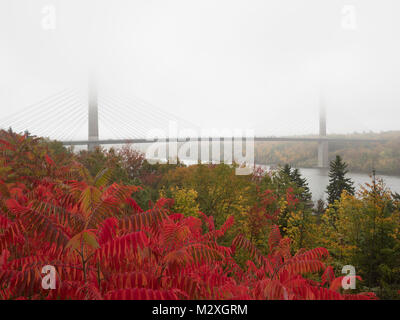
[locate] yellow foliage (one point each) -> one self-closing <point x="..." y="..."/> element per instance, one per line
<point x="185" y="201"/>
<point x="349" y="221"/>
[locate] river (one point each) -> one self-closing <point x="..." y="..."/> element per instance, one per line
<point x="318" y="179"/>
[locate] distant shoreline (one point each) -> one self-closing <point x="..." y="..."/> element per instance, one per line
<point x="378" y="172"/>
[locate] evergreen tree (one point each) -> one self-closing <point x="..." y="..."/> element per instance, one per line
<point x="293" y="176"/>
<point x="301" y="183"/>
<point x="295" y="222"/>
<point x="286" y="170"/>
<point x="337" y="180"/>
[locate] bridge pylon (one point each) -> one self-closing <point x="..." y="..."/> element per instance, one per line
<point x="93" y="115"/>
<point x="323" y="146"/>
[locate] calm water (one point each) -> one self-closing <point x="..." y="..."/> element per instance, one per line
<point x="318" y="180"/>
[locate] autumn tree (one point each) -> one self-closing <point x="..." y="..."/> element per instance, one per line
<point x="362" y="230"/>
<point x="100" y="158"/>
<point x="132" y="161"/>
<point x="220" y="192"/>
<point x="185" y="200"/>
<point x="295" y="208"/>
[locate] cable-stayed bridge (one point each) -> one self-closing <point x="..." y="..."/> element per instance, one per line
<point x="132" y="120"/>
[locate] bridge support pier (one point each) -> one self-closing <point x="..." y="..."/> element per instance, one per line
<point x="323" y="154"/>
<point x="222" y="150"/>
<point x="199" y="150"/>
<point x="210" y="149"/>
<point x="323" y="146"/>
<point x="93" y="116"/>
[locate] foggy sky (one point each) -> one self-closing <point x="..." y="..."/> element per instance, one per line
<point x="258" y="64"/>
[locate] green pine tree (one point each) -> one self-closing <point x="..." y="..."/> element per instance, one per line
<point x="301" y="183"/>
<point x="286" y="170"/>
<point x="293" y="176"/>
<point x="338" y="181"/>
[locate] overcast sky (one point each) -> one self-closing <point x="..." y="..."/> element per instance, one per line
<point x="258" y="64"/>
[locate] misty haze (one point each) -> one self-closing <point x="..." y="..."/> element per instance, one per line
<point x="187" y="149"/>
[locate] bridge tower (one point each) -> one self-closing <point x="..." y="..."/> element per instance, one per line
<point x="323" y="146"/>
<point x="93" y="114"/>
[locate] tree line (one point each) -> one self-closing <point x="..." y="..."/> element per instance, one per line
<point x="118" y="227"/>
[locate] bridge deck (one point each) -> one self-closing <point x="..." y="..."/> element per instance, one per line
<point x="256" y="139"/>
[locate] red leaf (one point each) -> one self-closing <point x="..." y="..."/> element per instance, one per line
<point x="49" y="161"/>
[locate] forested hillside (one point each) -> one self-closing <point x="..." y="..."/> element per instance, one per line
<point x="361" y="157"/>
